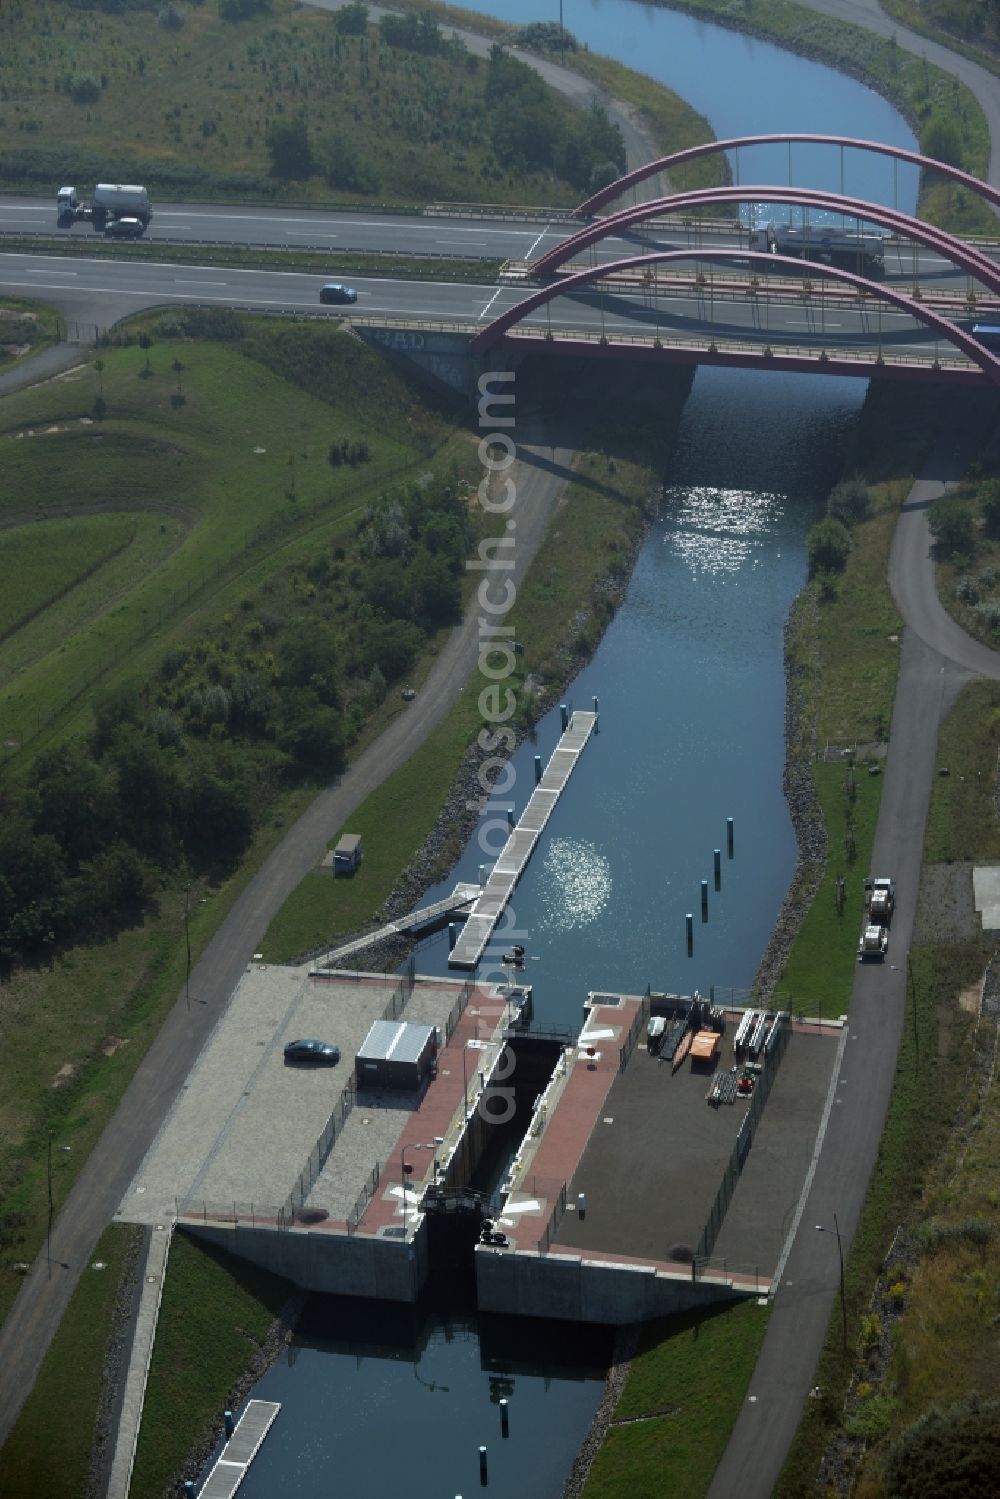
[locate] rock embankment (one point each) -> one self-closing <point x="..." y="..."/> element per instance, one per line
<point x="626" y="1347"/>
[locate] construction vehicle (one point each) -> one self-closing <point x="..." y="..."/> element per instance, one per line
<point x="874" y="943"/>
<point x="880" y="901"/>
<point x="111" y="201"/>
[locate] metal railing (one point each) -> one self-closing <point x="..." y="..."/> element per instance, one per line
<point x="553" y="1221"/>
<point x="321" y="1150"/>
<point x="458" y="1009"/>
<point x="744" y="1139"/>
<point x="638" y="1025"/>
<point x="365" y="1196"/>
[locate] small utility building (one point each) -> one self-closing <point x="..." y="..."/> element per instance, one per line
<point x="395" y="1054"/>
<point x="347" y="854"/>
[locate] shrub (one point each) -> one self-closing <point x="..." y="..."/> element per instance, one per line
<point x="989" y="504"/>
<point x="951" y="526"/>
<point x="955" y="1451"/>
<point x="84" y="89"/>
<point x="937" y="1235"/>
<point x="849" y="501"/>
<point x="828" y="546"/>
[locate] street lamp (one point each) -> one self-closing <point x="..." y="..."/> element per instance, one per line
<point x="405" y="1169"/>
<point x="821" y="1229"/>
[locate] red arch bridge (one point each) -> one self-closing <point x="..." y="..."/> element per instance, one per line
<point x="743" y="307"/>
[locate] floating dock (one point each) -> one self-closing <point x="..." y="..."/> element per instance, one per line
<point x="520" y="845"/>
<point x="241" y="1449"/>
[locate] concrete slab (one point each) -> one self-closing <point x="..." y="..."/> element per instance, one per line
<point x="986" y="894"/>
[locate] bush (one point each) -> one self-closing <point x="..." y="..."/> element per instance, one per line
<point x="291" y="155"/>
<point x="989" y="504"/>
<point x="938" y="1235"/>
<point x="84" y="89"/>
<point x="849" y="501"/>
<point x="954" y="1451"/>
<point x="951" y="526"/>
<point x="828" y="546"/>
<point x="352" y="20"/>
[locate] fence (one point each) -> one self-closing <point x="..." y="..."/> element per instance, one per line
<point x="458" y="1009"/>
<point x="402" y="992"/>
<point x="638" y="1025"/>
<point x="744" y="1139"/>
<point x="254" y="1213"/>
<point x="365" y="1196"/>
<point x="554" y="1219"/>
<point x="321" y="1150"/>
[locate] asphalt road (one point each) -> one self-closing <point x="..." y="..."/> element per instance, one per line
<point x="937" y="659"/>
<point x="96" y="293"/>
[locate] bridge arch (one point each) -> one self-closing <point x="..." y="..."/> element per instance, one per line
<point x="710" y="148"/>
<point x="970" y="260"/>
<point x="494" y="331"/>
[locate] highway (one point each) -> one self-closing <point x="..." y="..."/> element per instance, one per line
<point x="97" y="292"/>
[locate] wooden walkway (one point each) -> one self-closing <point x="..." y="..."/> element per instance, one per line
<point x="241" y="1449"/>
<point x="520" y="845"/>
<point x="459" y="901"/>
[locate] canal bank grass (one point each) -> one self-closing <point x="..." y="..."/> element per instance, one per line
<point x="26" y="329"/>
<point x="680" y="1402"/>
<point x="962" y="823"/>
<point x="215" y="1315"/>
<point x="49" y="1450"/>
<point x="916" y="87"/>
<point x="932" y="1091"/>
<point x="943" y="1349"/>
<point x="818" y="975"/>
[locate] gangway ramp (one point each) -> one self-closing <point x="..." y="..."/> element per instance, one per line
<point x="241" y="1449"/>
<point x="459" y="902"/>
<point x="518" y="849"/>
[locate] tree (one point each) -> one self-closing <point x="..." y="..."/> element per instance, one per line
<point x="291" y="155"/>
<point x="75" y="800"/>
<point x="352" y="19"/>
<point x="311" y="733"/>
<point x="827" y="546"/>
<point x="951" y="526"/>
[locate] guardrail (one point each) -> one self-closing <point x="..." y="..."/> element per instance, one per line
<point x="365" y="1196"/>
<point x="504" y="212"/>
<point x="118" y="251"/>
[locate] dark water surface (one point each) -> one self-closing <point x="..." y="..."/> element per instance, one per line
<point x="691" y="687"/>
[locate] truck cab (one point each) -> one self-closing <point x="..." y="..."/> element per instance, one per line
<point x="67" y="205"/>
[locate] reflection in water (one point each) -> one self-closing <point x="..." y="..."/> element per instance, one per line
<point x="718" y="530"/>
<point x="393" y="1403"/>
<point x="577" y="885"/>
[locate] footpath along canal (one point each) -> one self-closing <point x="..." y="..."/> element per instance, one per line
<point x="691" y="686"/>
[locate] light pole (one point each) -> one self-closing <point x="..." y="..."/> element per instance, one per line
<point x="405" y="1169"/>
<point x="820" y="1228"/>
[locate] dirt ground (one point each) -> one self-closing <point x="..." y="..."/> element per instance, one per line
<point x="945" y="910"/>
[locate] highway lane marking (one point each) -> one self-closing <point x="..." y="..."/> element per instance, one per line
<point x="179" y="282"/>
<point x="535" y="241"/>
<point x="161" y="265"/>
<point x="489" y="304"/>
<point x="50" y="273"/>
<point x="426" y="226"/>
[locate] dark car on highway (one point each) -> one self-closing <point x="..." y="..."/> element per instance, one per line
<point x="336" y="291"/>
<point x="125" y="228"/>
<point x="321" y="1053"/>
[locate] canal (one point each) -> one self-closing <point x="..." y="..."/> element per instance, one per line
<point x="691" y="686"/>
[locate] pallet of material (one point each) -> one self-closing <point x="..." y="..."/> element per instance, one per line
<point x="704" y="1046"/>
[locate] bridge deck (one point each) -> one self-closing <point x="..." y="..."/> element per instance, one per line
<point x="241" y="1449"/>
<point x="519" y="846"/>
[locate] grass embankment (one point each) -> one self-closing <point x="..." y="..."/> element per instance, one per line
<point x="26" y="328"/>
<point x="231" y="461"/>
<point x="284" y="103"/>
<point x="966" y="527"/>
<point x="918" y="89"/>
<point x="49" y="1450"/>
<point x="964" y="26"/>
<point x="683" y="1394"/>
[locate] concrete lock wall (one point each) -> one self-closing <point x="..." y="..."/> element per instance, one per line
<point x="335" y="1264"/>
<point x="578" y="1290"/>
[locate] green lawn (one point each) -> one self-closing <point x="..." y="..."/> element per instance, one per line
<point x="44" y="561"/>
<point x="26" y="328"/>
<point x="48" y="1454"/>
<point x="683" y="1395"/>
